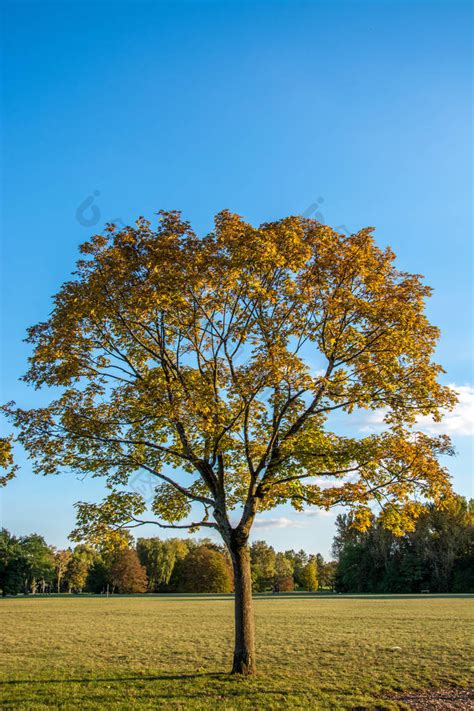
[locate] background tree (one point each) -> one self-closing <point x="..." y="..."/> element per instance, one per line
<point x="299" y="560"/>
<point x="449" y="540"/>
<point x="40" y="563"/>
<point x="127" y="574"/>
<point x="159" y="558"/>
<point x="61" y="562"/>
<point x="223" y="357"/>
<point x="99" y="574"/>
<point x="435" y="556"/>
<point x="283" y="573"/>
<point x="320" y="568"/>
<point x="327" y="576"/>
<point x="78" y="568"/>
<point x="26" y="564"/>
<point x="13" y="564"/>
<point x="309" y="576"/>
<point x="203" y="570"/>
<point x="263" y="569"/>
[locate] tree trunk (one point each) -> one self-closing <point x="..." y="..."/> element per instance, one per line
<point x="244" y="650"/>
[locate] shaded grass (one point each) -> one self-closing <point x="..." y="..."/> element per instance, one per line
<point x="144" y="653"/>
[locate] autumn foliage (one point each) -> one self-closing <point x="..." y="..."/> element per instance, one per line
<point x="127" y="574"/>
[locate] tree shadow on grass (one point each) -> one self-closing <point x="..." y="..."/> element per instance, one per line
<point x="218" y="676"/>
<point x="214" y="689"/>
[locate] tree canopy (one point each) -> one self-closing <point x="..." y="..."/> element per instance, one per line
<point x="128" y="575"/>
<point x="224" y="356"/>
<point x="203" y="570"/>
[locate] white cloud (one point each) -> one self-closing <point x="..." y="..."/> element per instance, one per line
<point x="285" y="522"/>
<point x="457" y="423"/>
<point x="281" y="522"/>
<point x="318" y="512"/>
<point x="321" y="482"/>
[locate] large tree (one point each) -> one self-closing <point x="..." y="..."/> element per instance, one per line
<point x="216" y="365"/>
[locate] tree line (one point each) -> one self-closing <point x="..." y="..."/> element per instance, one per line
<point x="436" y="556"/>
<point x="28" y="565"/>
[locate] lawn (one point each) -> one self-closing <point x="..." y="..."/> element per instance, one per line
<point x="324" y="652"/>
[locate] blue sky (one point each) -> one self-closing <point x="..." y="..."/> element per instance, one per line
<point x="359" y="112"/>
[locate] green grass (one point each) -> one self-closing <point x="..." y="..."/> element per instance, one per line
<point x="173" y="653"/>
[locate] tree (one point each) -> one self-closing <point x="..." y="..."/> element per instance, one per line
<point x="13" y="564"/>
<point x="128" y="575"/>
<point x="213" y="364"/>
<point x="328" y="579"/>
<point x="26" y="563"/>
<point x="309" y="576"/>
<point x="40" y="562"/>
<point x="61" y="562"/>
<point x="98" y="576"/>
<point x="263" y="570"/>
<point x="451" y="528"/>
<point x="428" y="558"/>
<point x="284" y="573"/>
<point x="159" y="558"/>
<point x="299" y="560"/>
<point x="78" y="568"/>
<point x="203" y="570"/>
<point x="463" y="568"/>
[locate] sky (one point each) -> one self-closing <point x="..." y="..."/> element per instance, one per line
<point x="355" y="113"/>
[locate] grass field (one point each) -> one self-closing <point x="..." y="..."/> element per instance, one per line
<point x="172" y="653"/>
